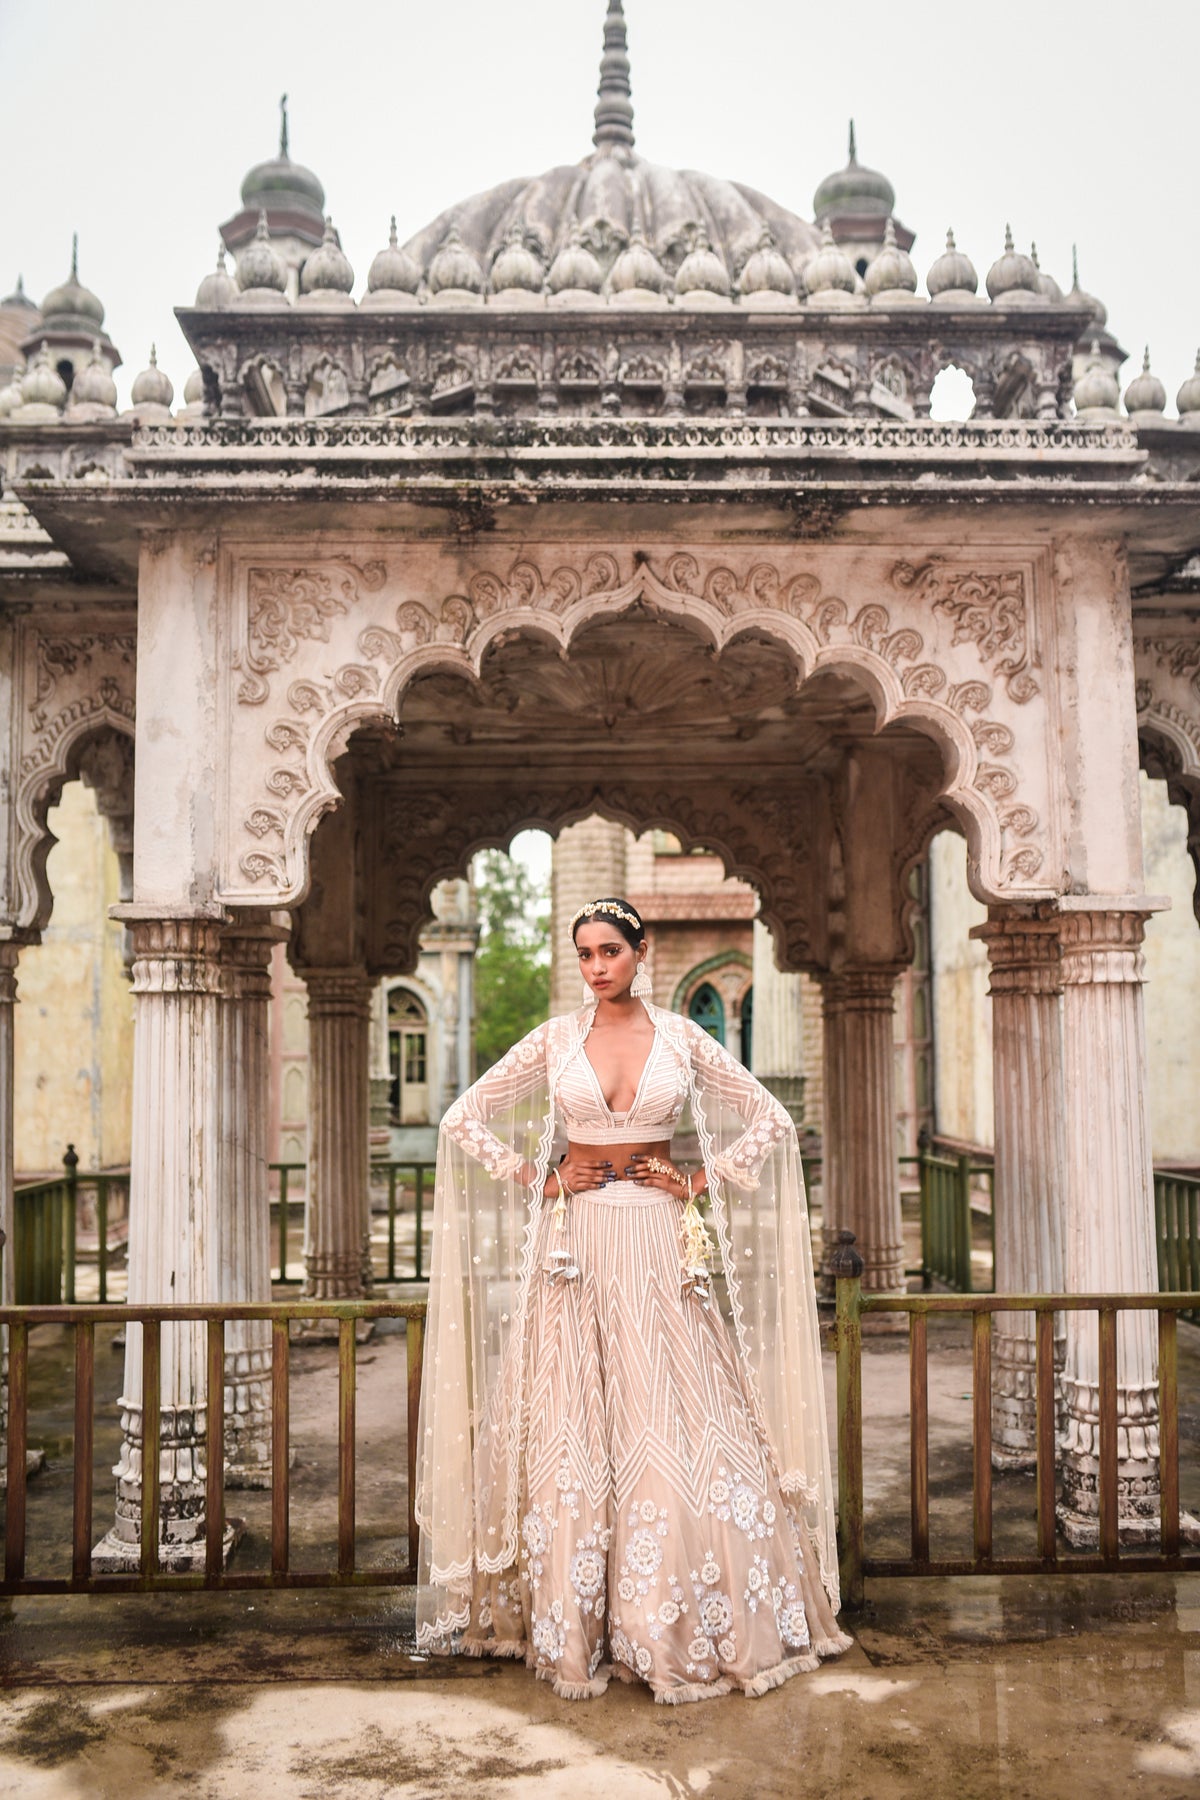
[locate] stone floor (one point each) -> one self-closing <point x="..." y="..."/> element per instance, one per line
<point x="1048" y="1687"/>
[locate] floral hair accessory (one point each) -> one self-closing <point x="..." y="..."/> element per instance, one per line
<point x="610" y="909"/>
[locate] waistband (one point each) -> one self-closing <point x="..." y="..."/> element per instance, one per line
<point x="626" y="1193"/>
<point x="647" y="1133"/>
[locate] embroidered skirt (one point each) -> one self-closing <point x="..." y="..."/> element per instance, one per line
<point x="655" y="1542"/>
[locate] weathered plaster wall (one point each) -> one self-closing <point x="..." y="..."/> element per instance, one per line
<point x="1172" y="981"/>
<point x="962" y="1011"/>
<point x="74" y="1024"/>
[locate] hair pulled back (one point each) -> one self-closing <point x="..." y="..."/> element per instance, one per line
<point x="618" y="913"/>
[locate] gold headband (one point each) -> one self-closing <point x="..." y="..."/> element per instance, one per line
<point x="611" y="909"/>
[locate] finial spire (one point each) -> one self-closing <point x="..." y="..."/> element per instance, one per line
<point x="283" y="132"/>
<point x="74" y="256"/>
<point x="614" y="108"/>
<point x="853" y="147"/>
<point x="1074" y="268"/>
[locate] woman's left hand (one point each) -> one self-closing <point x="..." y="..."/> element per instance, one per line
<point x="654" y="1171"/>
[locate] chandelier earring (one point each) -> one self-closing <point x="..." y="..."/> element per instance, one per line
<point x="641" y="987"/>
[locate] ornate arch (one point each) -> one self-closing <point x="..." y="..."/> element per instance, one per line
<point x="74" y="683"/>
<point x="1168" y="702"/>
<point x="710" y="966"/>
<point x="346" y="637"/>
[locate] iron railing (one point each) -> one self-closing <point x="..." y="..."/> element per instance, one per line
<point x="1177" y="1232"/>
<point x="857" y="1563"/>
<point x="150" y="1575"/>
<point x="405" y="1183"/>
<point x="949" y="1182"/>
<point x="46" y="1245"/>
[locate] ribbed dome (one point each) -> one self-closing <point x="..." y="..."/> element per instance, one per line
<point x="282" y="183"/>
<point x="393" y="271"/>
<point x="1097" y="389"/>
<point x="830" y="271"/>
<point x="455" y="268"/>
<point x="1080" y="298"/>
<point x="10" y="396"/>
<point x="218" y="289"/>
<point x="952" y="273"/>
<point x="94" y="385"/>
<point x="71" y="304"/>
<point x="1145" y="393"/>
<point x="891" y="270"/>
<point x="702" y="271"/>
<point x="516" y="267"/>
<point x="260" y="267"/>
<point x="1012" y="274"/>
<point x="575" y="269"/>
<point x="18" y="300"/>
<point x="42" y="387"/>
<point x="1048" y="288"/>
<point x="854" y="191"/>
<point x="1188" y="397"/>
<point x="766" y="272"/>
<point x="327" y="272"/>
<point x="152" y="387"/>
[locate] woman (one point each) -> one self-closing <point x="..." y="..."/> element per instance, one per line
<point x="611" y="1479"/>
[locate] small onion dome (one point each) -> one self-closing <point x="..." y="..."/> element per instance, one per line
<point x="854" y="191"/>
<point x="637" y="271"/>
<point x="261" y="270"/>
<point x="71" y="301"/>
<point x="393" y="274"/>
<point x="282" y="183"/>
<point x="219" y="289"/>
<point x="1012" y="274"/>
<point x="702" y="273"/>
<point x="326" y="278"/>
<point x="18" y="300"/>
<point x="193" y="399"/>
<point x="43" y="390"/>
<point x="830" y="272"/>
<point x="1188" y="397"/>
<point x="455" y="269"/>
<point x="1097" y="308"/>
<point x="891" y="270"/>
<point x="1097" y="389"/>
<point x="94" y="391"/>
<point x="10" y="396"/>
<point x="1048" y="288"/>
<point x="766" y="272"/>
<point x="575" y="270"/>
<point x="152" y="389"/>
<point x="953" y="274"/>
<point x="1145" y="393"/>
<point x="516" y="269"/>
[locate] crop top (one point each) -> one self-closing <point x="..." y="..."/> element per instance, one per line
<point x="683" y="1062"/>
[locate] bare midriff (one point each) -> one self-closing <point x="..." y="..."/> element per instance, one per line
<point x="619" y="1154"/>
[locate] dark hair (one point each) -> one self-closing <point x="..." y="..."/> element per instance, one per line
<point x="600" y="909"/>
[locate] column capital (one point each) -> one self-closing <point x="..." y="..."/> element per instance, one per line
<point x="176" y="955"/>
<point x="1023" y="951"/>
<point x="1102" y="946"/>
<point x="345" y="991"/>
<point x="246" y="959"/>
<point x="861" y="989"/>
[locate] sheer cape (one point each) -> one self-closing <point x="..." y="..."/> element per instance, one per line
<point x="485" y="1224"/>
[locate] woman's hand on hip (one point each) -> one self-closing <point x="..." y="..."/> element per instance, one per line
<point x="578" y="1175"/>
<point x="656" y="1171"/>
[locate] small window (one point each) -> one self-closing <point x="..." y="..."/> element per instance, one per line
<point x="707" y="1011"/>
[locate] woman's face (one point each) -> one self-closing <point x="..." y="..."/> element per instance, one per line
<point x="608" y="964"/>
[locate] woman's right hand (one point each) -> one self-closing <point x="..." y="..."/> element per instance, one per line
<point x="578" y="1176"/>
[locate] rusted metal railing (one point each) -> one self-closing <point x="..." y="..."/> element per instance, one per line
<point x="948" y="1183"/>
<point x="46" y="1231"/>
<point x="399" y="1178"/>
<point x="150" y="1575"/>
<point x="853" y="1306"/>
<point x="1177" y="1229"/>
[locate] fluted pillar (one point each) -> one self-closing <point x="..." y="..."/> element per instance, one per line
<point x="777" y="1052"/>
<point x="1109" y="1242"/>
<point x="862" y="1185"/>
<point x="244" y="1217"/>
<point x="1028" y="1184"/>
<point x="175" y="1238"/>
<point x="337" y="1217"/>
<point x="9" y="953"/>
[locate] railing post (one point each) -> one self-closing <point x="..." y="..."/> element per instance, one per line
<point x="283" y="1220"/>
<point x="102" y="1236"/>
<point x="846" y="1266"/>
<point x="418" y="1208"/>
<point x="71" y="1222"/>
<point x="962" y="1224"/>
<point x="391" y="1241"/>
<point x="923" y="1191"/>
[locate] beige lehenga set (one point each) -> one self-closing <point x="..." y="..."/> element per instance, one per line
<point x="620" y="1472"/>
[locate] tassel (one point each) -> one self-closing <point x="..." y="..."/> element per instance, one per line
<point x="696" y="1253"/>
<point x="688" y="1691"/>
<point x="641" y="987"/>
<point x="773" y="1678"/>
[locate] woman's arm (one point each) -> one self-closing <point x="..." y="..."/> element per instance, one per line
<point x="505" y="1084"/>
<point x="720" y="1077"/>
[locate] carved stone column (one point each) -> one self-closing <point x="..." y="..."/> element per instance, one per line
<point x="777" y="1052"/>
<point x="337" y="1218"/>
<point x="862" y="1175"/>
<point x="9" y="953"/>
<point x="1027" y="1189"/>
<point x="175" y="1240"/>
<point x="1109" y="1241"/>
<point x="244" y="1214"/>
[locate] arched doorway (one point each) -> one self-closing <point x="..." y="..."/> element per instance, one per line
<point x="408" y="1058"/>
<point x="707" y="1009"/>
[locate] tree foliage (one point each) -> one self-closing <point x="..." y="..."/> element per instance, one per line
<point x="512" y="966"/>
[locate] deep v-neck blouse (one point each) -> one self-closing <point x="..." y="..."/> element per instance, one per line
<point x="657" y="1103"/>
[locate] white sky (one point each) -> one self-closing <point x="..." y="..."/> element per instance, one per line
<point x="135" y="123"/>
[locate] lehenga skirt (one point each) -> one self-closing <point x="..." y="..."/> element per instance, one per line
<point x="655" y="1542"/>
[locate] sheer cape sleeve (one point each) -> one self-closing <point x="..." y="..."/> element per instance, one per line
<point x="756" y="1186"/>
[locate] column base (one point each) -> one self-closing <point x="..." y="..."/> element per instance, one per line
<point x="326" y="1331"/>
<point x="115" y="1554"/>
<point x="1079" y="1504"/>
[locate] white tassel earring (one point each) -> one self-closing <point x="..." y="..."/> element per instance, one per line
<point x="641" y="987"/>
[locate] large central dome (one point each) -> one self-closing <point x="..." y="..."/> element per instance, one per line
<point x="599" y="207"/>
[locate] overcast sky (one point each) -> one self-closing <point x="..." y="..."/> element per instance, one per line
<point x="135" y="123"/>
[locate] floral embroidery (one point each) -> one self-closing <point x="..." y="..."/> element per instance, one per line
<point x="648" y="1511"/>
<point x="793" y="1625"/>
<point x="550" y="1634"/>
<point x="587" y="1572"/>
<point x="626" y="1589"/>
<point x="710" y="1571"/>
<point x="727" y="1650"/>
<point x="715" y="1612"/>
<point x="643" y="1553"/>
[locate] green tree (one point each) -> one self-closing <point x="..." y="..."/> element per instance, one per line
<point x="512" y="967"/>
